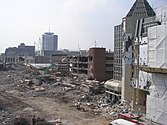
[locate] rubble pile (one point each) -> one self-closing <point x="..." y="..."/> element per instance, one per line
<point x="101" y="105"/>
<point x="82" y="94"/>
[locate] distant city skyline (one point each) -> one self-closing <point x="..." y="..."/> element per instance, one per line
<point x="76" y="22"/>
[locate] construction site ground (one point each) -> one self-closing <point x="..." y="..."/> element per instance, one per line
<point x="50" y="101"/>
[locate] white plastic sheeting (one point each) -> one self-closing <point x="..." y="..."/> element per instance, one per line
<point x="157" y="46"/>
<point x="157" y="100"/>
<point x="159" y="85"/>
<point x="157" y="110"/>
<point x="156" y="106"/>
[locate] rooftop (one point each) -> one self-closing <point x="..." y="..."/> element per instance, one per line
<point x="141" y="8"/>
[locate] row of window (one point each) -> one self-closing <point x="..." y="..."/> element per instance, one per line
<point x="118" y="77"/>
<point x="117" y="69"/>
<point x="109" y="58"/>
<point x="118" y="61"/>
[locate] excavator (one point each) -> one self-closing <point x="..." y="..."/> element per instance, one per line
<point x="52" y="68"/>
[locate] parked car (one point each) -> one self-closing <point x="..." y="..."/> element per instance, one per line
<point x="121" y="122"/>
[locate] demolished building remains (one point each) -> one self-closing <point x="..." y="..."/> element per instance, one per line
<point x="150" y="69"/>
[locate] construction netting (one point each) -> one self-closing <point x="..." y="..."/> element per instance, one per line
<point x="157" y="100"/>
<point x="157" y="46"/>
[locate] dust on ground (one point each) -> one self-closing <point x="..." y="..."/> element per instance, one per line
<point x="24" y="93"/>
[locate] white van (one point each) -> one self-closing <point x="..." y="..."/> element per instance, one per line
<point x="121" y="122"/>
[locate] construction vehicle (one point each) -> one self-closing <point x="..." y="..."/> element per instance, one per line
<point x="52" y="68"/>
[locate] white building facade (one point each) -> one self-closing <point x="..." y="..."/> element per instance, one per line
<point x="151" y="70"/>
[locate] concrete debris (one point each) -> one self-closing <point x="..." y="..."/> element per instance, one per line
<point x="36" y="81"/>
<point x="67" y="85"/>
<point x="40" y="89"/>
<point x="99" y="104"/>
<point x="55" y="121"/>
<point x="80" y="94"/>
<point x="28" y="109"/>
<point x="8" y="76"/>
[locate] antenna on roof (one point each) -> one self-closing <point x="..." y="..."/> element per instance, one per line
<point x="95" y="43"/>
<point x="49" y="27"/>
<point x="39" y="43"/>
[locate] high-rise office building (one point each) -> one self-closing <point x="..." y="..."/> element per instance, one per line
<point x="49" y="42"/>
<point x="123" y="41"/>
<point x="140" y="9"/>
<point x="118" y="53"/>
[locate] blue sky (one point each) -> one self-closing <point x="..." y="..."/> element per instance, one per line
<point x="75" y="21"/>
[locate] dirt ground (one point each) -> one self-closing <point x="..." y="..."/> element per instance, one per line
<point x="55" y="102"/>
